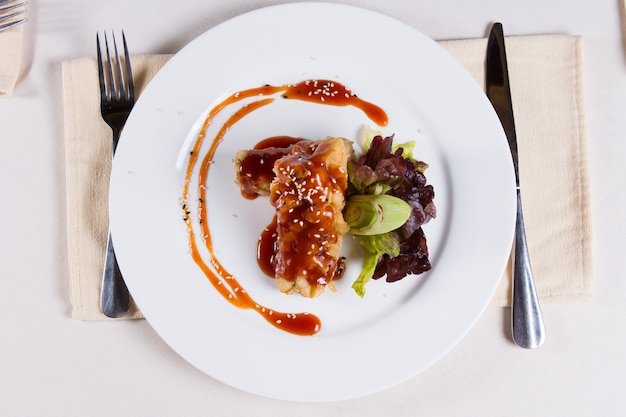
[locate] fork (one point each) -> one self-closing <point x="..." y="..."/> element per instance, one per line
<point x="117" y="97"/>
<point x="8" y="21"/>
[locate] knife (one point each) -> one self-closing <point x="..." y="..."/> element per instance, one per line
<point x="526" y="321"/>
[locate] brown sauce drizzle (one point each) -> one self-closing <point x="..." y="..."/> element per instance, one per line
<point x="253" y="169"/>
<point x="316" y="91"/>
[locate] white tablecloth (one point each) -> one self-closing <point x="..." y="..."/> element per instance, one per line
<point x="55" y="366"/>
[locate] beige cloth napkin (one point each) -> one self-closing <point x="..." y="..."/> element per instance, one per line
<point x="546" y="78"/>
<point x="88" y="144"/>
<point x="547" y="90"/>
<point x="11" y="43"/>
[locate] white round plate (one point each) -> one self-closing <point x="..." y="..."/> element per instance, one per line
<point x="365" y="345"/>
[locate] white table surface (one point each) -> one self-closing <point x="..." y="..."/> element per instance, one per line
<point x="54" y="366"/>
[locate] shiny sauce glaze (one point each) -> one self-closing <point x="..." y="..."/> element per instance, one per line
<point x="324" y="92"/>
<point x="256" y="170"/>
<point x="305" y="218"/>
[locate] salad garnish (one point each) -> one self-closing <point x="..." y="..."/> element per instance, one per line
<point x="388" y="202"/>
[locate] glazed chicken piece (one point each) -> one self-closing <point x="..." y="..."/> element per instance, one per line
<point x="307" y="189"/>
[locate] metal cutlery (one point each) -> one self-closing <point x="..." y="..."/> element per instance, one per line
<point x="527" y="323"/>
<point x="7" y="21"/>
<point x="117" y="97"/>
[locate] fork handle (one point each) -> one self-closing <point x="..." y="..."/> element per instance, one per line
<point x="117" y="131"/>
<point x="115" y="299"/>
<point x="114" y="296"/>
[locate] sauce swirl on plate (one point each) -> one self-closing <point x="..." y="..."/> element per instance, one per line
<point x="324" y="92"/>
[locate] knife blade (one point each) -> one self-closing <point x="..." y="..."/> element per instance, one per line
<point x="526" y="321"/>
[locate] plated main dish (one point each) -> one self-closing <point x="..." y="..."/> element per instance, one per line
<point x="321" y="190"/>
<point x="427" y="96"/>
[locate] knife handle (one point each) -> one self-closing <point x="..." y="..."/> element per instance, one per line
<point x="114" y="296"/>
<point x="527" y="323"/>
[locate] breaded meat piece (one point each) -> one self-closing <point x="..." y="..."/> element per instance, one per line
<point x="308" y="192"/>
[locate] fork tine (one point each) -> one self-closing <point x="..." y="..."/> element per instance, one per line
<point x="120" y="91"/>
<point x="103" y="93"/>
<point x="114" y="75"/>
<point x="129" y="72"/>
<point x="9" y="18"/>
<point x="12" y="6"/>
<point x="5" y="26"/>
<point x="110" y="79"/>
